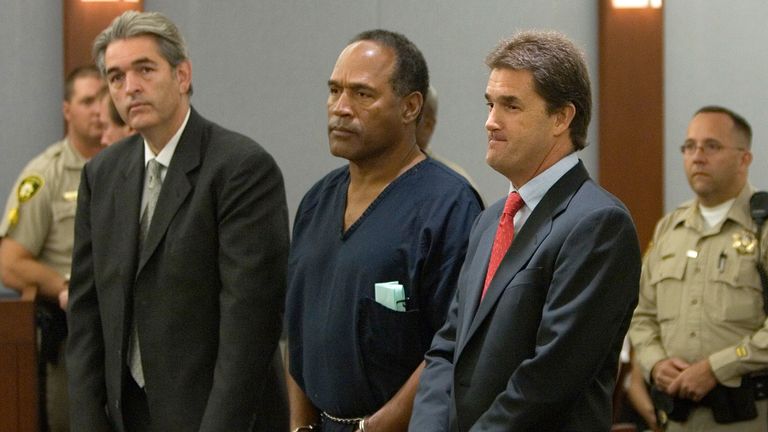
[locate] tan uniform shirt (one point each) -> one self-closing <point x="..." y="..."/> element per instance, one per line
<point x="40" y="213"/>
<point x="700" y="293"/>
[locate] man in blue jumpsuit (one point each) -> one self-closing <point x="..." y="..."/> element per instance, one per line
<point x="391" y="215"/>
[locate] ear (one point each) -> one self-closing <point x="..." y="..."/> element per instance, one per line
<point x="184" y="76"/>
<point x="410" y="107"/>
<point x="563" y="118"/>
<point x="746" y="159"/>
<point x="66" y="106"/>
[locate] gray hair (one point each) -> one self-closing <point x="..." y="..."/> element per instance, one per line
<point x="559" y="73"/>
<point x="132" y="24"/>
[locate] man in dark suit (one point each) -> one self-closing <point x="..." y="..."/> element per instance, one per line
<point x="533" y="336"/>
<point x="176" y="297"/>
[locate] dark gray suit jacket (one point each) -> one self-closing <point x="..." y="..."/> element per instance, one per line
<point x="206" y="291"/>
<point x="540" y="352"/>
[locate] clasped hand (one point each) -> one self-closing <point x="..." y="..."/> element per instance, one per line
<point x="678" y="378"/>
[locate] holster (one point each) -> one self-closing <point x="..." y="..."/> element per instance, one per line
<point x="728" y="404"/>
<point x="669" y="408"/>
<point x="731" y="405"/>
<point x="52" y="322"/>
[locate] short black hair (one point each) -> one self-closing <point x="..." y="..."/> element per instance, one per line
<point x="411" y="73"/>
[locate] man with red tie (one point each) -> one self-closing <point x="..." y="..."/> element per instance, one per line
<point x="551" y="275"/>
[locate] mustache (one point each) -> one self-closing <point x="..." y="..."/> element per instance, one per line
<point x="137" y="101"/>
<point x="341" y="125"/>
<point x="496" y="136"/>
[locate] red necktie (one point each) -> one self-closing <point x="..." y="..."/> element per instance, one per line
<point x="504" y="235"/>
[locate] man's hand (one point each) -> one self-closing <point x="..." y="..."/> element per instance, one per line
<point x="383" y="423"/>
<point x="303" y="413"/>
<point x="694" y="382"/>
<point x="666" y="371"/>
<point x="395" y="414"/>
<point x="64" y="299"/>
<point x="638" y="396"/>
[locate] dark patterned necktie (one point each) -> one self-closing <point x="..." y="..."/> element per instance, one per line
<point x="154" y="183"/>
<point x="151" y="191"/>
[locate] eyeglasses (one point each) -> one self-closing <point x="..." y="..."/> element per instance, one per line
<point x="709" y="148"/>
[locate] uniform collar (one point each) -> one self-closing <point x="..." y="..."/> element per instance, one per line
<point x="740" y="213"/>
<point x="70" y="156"/>
<point x="690" y="216"/>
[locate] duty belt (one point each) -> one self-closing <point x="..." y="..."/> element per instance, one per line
<point x="760" y="381"/>
<point x="728" y="405"/>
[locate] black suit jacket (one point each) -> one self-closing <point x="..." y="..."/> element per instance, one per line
<point x="206" y="291"/>
<point x="540" y="352"/>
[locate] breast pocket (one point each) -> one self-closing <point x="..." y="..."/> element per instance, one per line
<point x="528" y="289"/>
<point x="63" y="210"/>
<point x="738" y="291"/>
<point x="390" y="345"/>
<point x="667" y="282"/>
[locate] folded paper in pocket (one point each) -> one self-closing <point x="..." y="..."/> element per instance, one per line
<point x="391" y="295"/>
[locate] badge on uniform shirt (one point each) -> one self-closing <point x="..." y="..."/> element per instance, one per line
<point x="27" y="189"/>
<point x="70" y="196"/>
<point x="744" y="243"/>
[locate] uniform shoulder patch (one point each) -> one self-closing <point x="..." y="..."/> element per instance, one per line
<point x="29" y="187"/>
<point x="741" y="351"/>
<point x="13" y="216"/>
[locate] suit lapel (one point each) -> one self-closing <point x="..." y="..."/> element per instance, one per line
<point x="176" y="185"/>
<point x="526" y="242"/>
<point x="127" y="202"/>
<point x="476" y="273"/>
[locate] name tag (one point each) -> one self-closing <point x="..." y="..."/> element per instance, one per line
<point x="70" y="196"/>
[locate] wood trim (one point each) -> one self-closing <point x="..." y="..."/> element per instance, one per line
<point x="83" y="21"/>
<point x="18" y="365"/>
<point x="631" y="158"/>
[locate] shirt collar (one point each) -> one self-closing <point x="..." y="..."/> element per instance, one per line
<point x="166" y="154"/>
<point x="533" y="191"/>
<point x="71" y="157"/>
<point x="738" y="213"/>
